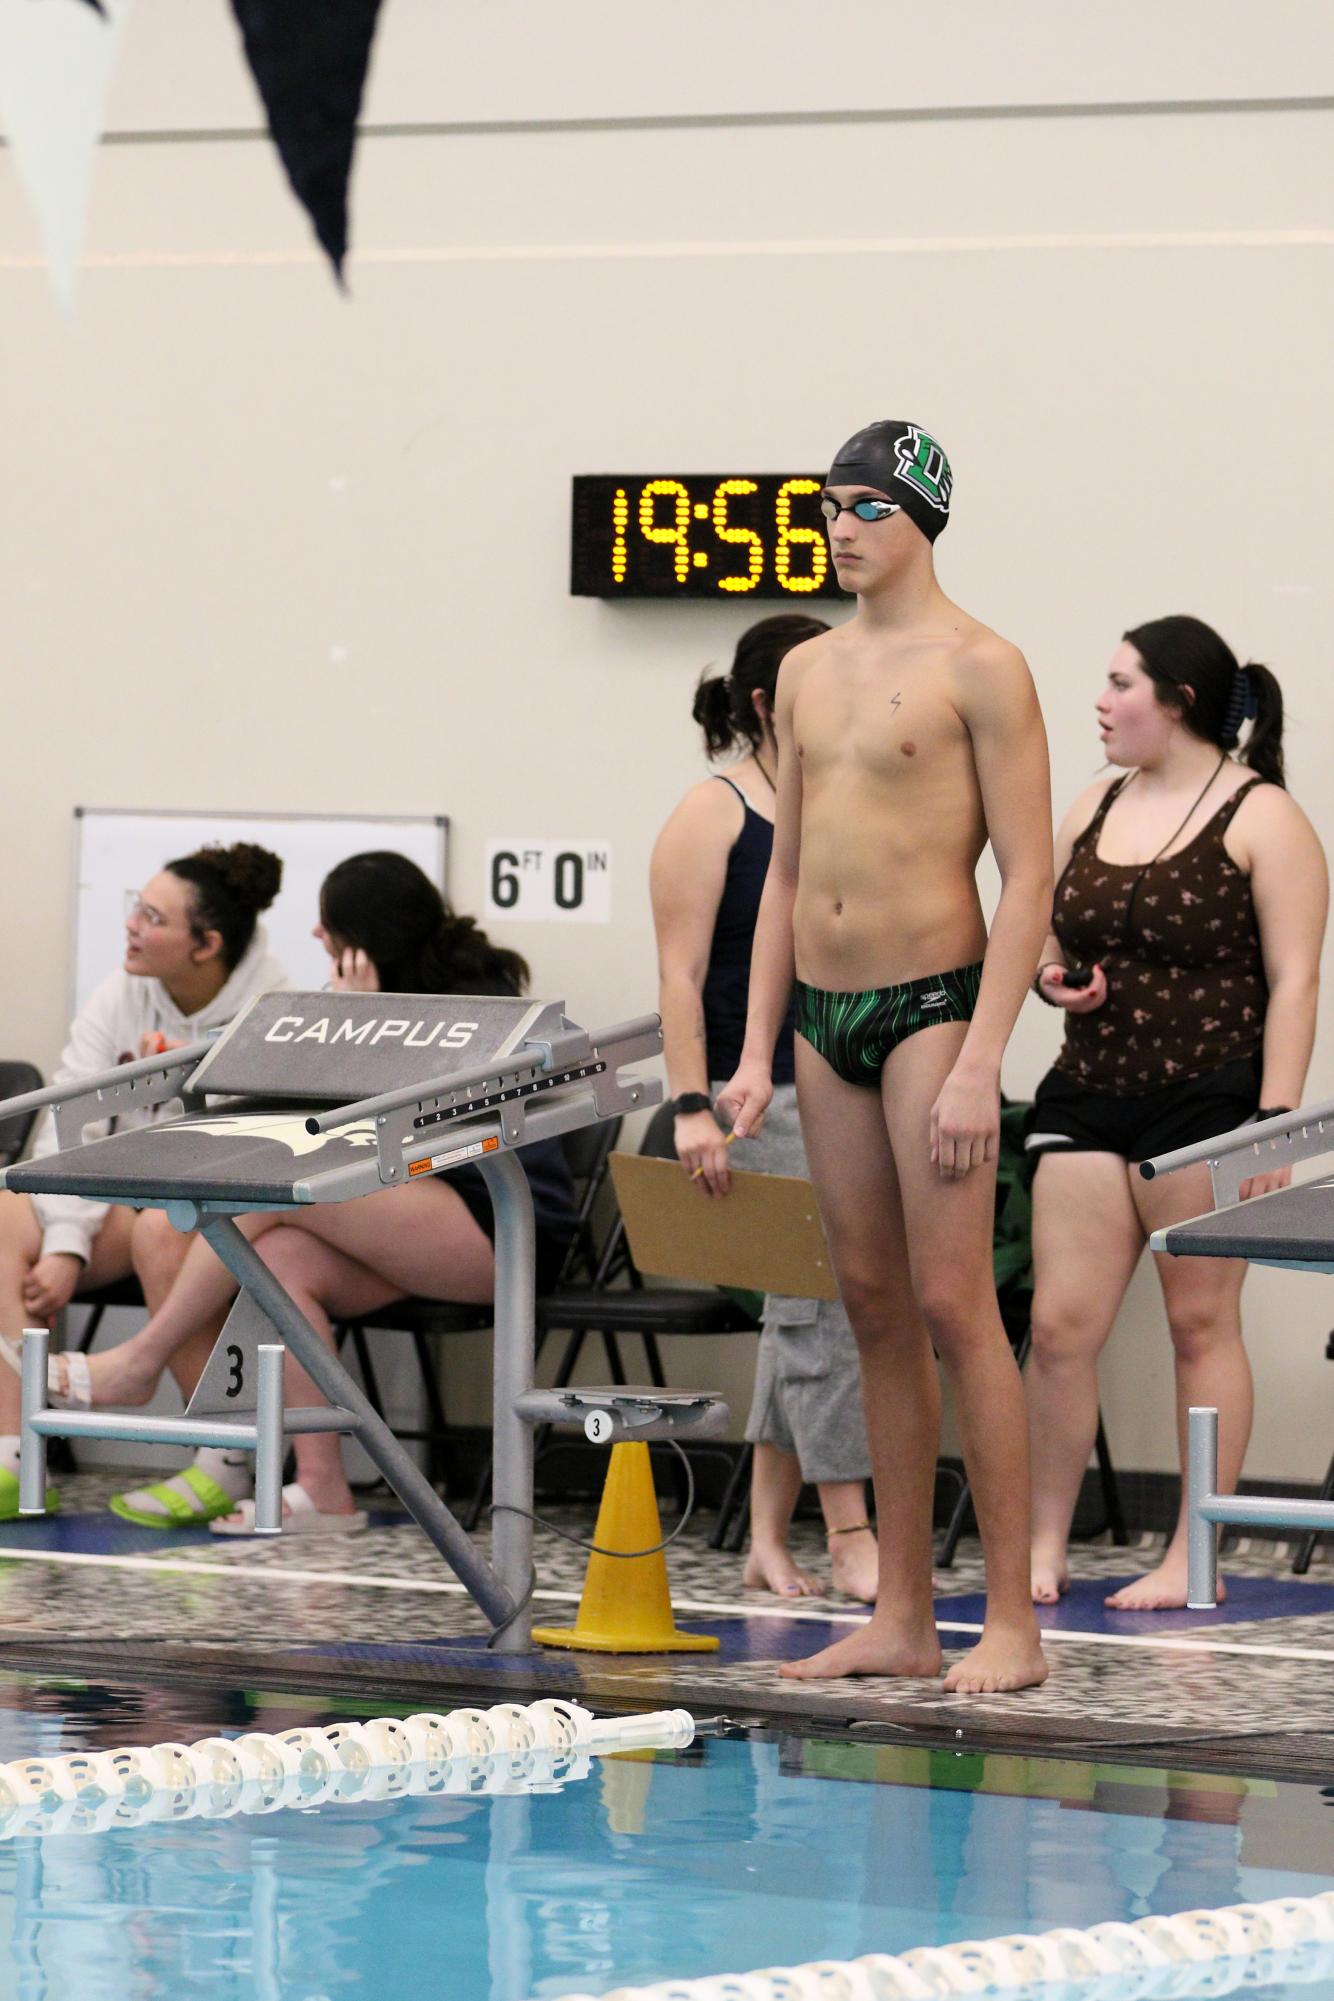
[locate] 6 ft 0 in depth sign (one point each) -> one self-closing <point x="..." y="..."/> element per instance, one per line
<point x="549" y="881"/>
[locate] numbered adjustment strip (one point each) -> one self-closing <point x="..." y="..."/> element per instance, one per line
<point x="1196" y="1952"/>
<point x="511" y="1748"/>
<point x="334" y="1096"/>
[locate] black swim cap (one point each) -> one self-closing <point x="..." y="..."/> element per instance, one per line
<point x="903" y="461"/>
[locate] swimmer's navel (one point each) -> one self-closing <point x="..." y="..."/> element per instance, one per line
<point x="838" y="910"/>
<point x="909" y="749"/>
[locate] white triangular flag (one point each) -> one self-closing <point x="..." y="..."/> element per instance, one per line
<point x="56" y="58"/>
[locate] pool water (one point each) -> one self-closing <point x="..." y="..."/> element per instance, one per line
<point x="737" y="1853"/>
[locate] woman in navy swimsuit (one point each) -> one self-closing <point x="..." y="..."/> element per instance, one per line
<point x="708" y="874"/>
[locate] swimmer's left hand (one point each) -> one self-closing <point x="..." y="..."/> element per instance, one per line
<point x="355" y="973"/>
<point x="1265" y="1184"/>
<point x="965" y="1124"/>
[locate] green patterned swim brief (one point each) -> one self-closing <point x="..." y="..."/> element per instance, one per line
<point x="856" y="1032"/>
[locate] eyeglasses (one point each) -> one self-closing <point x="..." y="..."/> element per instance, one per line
<point x="139" y="912"/>
<point x="865" y="509"/>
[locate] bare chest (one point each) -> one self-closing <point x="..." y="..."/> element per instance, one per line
<point x="899" y="731"/>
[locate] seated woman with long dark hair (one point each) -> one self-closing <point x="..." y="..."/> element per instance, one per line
<point x="387" y="929"/>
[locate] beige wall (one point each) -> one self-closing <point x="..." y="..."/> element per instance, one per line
<point x="266" y="547"/>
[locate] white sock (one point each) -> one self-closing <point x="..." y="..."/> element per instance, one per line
<point x="234" y="1472"/>
<point x="9" y="1454"/>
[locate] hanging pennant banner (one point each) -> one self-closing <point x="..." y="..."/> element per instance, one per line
<point x="310" y="59"/>
<point x="55" y="68"/>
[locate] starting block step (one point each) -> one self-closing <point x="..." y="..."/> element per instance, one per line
<point x="609" y="1414"/>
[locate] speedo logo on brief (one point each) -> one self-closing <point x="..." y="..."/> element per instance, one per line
<point x="389" y="1028"/>
<point x="924" y="465"/>
<point x="936" y="999"/>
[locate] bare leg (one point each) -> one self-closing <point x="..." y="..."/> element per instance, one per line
<point x="423" y="1240"/>
<point x="159" y="1253"/>
<point x="775" y="1484"/>
<point x="20" y="1248"/>
<point x="1086" y="1242"/>
<point x="853" y="1169"/>
<point x="316" y="1275"/>
<point x="202" y="1293"/>
<point x="1203" y="1301"/>
<point x="854" y="1556"/>
<point x="414" y="1236"/>
<point x="949" y="1225"/>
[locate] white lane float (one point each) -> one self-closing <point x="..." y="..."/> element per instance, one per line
<point x="513" y="1747"/>
<point x="1193" y="1953"/>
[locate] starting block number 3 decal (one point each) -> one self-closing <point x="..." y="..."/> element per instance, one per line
<point x="549" y="881"/>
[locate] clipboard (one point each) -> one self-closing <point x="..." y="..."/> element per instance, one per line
<point x="765" y="1236"/>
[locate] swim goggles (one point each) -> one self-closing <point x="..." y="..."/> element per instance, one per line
<point x="865" y="509"/>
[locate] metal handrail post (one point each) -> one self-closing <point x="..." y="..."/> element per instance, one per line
<point x="270" y="1443"/>
<point x="32" y="1445"/>
<point x="1201" y="1485"/>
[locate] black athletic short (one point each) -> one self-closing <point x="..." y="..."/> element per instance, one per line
<point x="1067" y="1117"/>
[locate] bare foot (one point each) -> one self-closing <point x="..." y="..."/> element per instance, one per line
<point x="118" y="1377"/>
<point x="1050" y="1578"/>
<point x="771" y="1568"/>
<point x="1161" y="1590"/>
<point x="875" y="1648"/>
<point x="1004" y="1659"/>
<point x="854" y="1559"/>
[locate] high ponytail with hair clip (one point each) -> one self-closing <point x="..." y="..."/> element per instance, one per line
<point x="1196" y="674"/>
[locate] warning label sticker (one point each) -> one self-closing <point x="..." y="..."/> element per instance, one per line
<point x="453" y="1159"/>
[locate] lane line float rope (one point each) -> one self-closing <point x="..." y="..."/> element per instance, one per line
<point x="1194" y="1953"/>
<point x="513" y="1747"/>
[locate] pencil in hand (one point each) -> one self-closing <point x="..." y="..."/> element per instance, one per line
<point x="727" y="1141"/>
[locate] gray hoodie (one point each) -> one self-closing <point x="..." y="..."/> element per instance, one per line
<point x="108" y="1030"/>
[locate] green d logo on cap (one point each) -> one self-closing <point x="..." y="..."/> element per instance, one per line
<point x="924" y="465"/>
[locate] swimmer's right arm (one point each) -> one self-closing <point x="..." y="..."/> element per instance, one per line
<point x="773" y="965"/>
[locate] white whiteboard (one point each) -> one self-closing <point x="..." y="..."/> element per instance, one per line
<point x="117" y="849"/>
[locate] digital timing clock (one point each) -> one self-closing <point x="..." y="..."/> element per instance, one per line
<point x="700" y="535"/>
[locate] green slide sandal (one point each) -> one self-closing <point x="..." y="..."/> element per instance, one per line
<point x="187" y="1500"/>
<point x="9" y="1498"/>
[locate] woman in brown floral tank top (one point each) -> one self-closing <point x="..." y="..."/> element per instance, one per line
<point x="1191" y="897"/>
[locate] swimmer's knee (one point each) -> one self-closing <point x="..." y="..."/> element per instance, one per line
<point x="957" y="1317"/>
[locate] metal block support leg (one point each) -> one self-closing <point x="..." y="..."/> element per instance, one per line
<point x="514" y="1372"/>
<point x="1201" y="1486"/>
<point x="332" y="1380"/>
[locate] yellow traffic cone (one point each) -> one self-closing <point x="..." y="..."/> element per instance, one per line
<point x="626" y="1607"/>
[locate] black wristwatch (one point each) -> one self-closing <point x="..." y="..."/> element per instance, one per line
<point x="692" y="1101"/>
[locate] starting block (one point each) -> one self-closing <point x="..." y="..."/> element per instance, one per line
<point x="323" y="1097"/>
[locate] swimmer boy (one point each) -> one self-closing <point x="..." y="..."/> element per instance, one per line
<point x="908" y="738"/>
